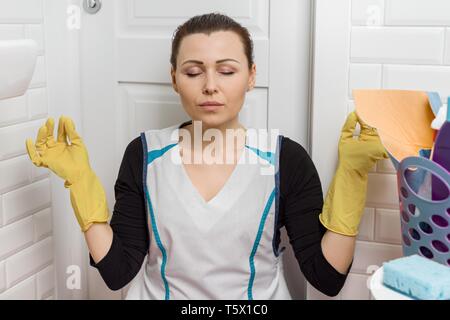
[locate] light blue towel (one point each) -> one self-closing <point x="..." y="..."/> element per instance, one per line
<point x="418" y="277"/>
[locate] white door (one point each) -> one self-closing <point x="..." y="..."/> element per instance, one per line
<point x="126" y="87"/>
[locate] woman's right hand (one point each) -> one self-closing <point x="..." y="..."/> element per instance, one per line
<point x="71" y="163"/>
<point x="68" y="161"/>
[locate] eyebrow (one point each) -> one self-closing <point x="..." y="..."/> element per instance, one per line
<point x="201" y="62"/>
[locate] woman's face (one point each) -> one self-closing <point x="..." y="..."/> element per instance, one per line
<point x="213" y="68"/>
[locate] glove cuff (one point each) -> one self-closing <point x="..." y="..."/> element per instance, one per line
<point x="345" y="202"/>
<point x="89" y="201"/>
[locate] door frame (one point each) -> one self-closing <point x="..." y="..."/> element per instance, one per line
<point x="332" y="27"/>
<point x="64" y="98"/>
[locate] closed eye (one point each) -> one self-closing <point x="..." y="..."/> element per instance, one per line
<point x="192" y="75"/>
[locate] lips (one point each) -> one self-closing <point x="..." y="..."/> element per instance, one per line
<point x="210" y="103"/>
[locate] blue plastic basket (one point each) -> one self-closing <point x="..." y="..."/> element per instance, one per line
<point x="425" y="219"/>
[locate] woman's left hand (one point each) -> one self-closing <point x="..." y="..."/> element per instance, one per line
<point x="359" y="153"/>
<point x="346" y="197"/>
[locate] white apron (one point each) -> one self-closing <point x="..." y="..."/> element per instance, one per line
<point x="220" y="249"/>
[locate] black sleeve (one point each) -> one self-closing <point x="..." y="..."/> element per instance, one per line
<point x="130" y="233"/>
<point x="301" y="202"/>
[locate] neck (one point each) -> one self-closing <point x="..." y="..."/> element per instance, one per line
<point x="234" y="124"/>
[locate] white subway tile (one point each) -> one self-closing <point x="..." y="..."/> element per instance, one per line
<point x="368" y="12"/>
<point x="37" y="103"/>
<point x="407" y="45"/>
<point x="314" y="294"/>
<point x="45" y="281"/>
<point x="28" y="261"/>
<point x="424" y="78"/>
<point x="16" y="236"/>
<point x="2" y="276"/>
<point x="25" y="290"/>
<point x="21" y="11"/>
<point x="14" y="172"/>
<point x="364" y="76"/>
<point x="385" y="166"/>
<point x="39" y="75"/>
<point x="13" y="110"/>
<point x="35" y="32"/>
<point x="371" y="254"/>
<point x="418" y="12"/>
<point x="447" y="46"/>
<point x="387" y="226"/>
<point x="382" y="191"/>
<point x="13" y="138"/>
<point x="42" y="224"/>
<point x="21" y="202"/>
<point x="366" y="227"/>
<point x="356" y="287"/>
<point x="11" y="31"/>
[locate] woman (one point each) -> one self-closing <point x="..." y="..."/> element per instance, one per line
<point x="212" y="230"/>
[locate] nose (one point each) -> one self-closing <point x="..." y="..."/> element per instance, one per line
<point x="210" y="84"/>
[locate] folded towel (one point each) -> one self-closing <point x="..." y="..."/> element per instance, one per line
<point x="418" y="277"/>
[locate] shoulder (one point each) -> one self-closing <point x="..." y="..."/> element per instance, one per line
<point x="293" y="156"/>
<point x="296" y="167"/>
<point x="135" y="146"/>
<point x="133" y="154"/>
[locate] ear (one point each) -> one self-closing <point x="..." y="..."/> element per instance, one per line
<point x="252" y="78"/>
<point x="174" y="80"/>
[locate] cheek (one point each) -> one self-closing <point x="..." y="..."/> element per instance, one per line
<point x="236" y="87"/>
<point x="236" y="93"/>
<point x="187" y="90"/>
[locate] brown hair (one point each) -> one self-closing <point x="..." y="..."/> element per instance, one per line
<point x="207" y="24"/>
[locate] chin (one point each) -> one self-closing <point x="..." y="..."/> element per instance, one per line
<point x="212" y="119"/>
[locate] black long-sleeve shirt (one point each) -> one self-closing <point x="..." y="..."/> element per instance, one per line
<point x="301" y="202"/>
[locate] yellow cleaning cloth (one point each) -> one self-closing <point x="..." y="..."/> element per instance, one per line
<point x="402" y="119"/>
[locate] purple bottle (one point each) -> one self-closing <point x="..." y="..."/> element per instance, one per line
<point x="441" y="155"/>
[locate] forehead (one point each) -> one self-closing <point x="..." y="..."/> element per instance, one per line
<point x="216" y="45"/>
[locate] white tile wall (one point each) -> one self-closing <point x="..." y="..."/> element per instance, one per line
<point x="25" y="290"/>
<point x="447" y="46"/>
<point x="369" y="254"/>
<point x="395" y="44"/>
<point x="417" y="13"/>
<point x="402" y="45"/>
<point x="45" y="281"/>
<point x="26" y="248"/>
<point x="15" y="172"/>
<point x="355" y="287"/>
<point x="364" y="76"/>
<point x="16" y="236"/>
<point x="42" y="222"/>
<point x="11" y="31"/>
<point x="424" y="77"/>
<point x="368" y="12"/>
<point x="382" y="190"/>
<point x="387" y="226"/>
<point x="366" y="231"/>
<point x="28" y="261"/>
<point x="21" y="11"/>
<point x="37" y="197"/>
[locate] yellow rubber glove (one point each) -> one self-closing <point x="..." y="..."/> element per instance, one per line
<point x="346" y="197"/>
<point x="71" y="163"/>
